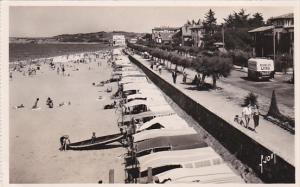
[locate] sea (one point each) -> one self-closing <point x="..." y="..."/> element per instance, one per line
<point x="29" y="51"/>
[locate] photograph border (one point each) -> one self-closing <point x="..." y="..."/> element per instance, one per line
<point x="4" y="80"/>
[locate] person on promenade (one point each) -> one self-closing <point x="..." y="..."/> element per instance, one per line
<point x="57" y="70"/>
<point x="93" y="139"/>
<point x="255" y="114"/>
<point x="151" y="66"/>
<point x="35" y="104"/>
<point x="174" y="76"/>
<point x="63" y="142"/>
<point x="159" y="69"/>
<point x="247" y="112"/>
<point x="184" y="77"/>
<point x="10" y="75"/>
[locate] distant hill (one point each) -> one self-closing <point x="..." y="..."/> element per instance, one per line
<point x="95" y="37"/>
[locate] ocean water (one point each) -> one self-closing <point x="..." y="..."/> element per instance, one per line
<point x="27" y="51"/>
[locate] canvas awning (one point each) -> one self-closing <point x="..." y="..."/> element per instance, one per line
<point x="153" y="133"/>
<point x="190" y="158"/>
<point x="176" y="142"/>
<point x="167" y="122"/>
<point x="217" y="174"/>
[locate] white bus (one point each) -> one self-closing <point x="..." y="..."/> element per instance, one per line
<point x="260" y="68"/>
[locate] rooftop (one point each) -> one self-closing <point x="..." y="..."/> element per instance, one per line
<point x="166" y="28"/>
<point x="262" y="29"/>
<point x="284" y="16"/>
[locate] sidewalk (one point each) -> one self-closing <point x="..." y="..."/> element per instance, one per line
<point x="279" y="141"/>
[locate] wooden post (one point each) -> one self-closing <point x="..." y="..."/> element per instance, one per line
<point x="149" y="177"/>
<point x="111" y="176"/>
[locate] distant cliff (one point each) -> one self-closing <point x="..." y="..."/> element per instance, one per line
<point x="96" y="37"/>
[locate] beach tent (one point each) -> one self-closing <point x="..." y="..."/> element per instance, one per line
<point x="155" y="95"/>
<point x="162" y="108"/>
<point x="189" y="158"/>
<point x="166" y="122"/>
<point x="154" y="102"/>
<point x="138" y="86"/>
<point x="180" y="142"/>
<point x="216" y="174"/>
<point x="144" y="116"/>
<point x="153" y="133"/>
<point x="127" y="80"/>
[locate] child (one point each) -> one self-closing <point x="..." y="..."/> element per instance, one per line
<point x="93" y="139"/>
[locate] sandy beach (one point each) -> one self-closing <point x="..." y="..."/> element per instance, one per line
<point x="34" y="134"/>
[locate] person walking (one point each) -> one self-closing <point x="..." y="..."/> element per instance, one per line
<point x="255" y="114"/>
<point x="184" y="77"/>
<point x="174" y="76"/>
<point x="159" y="69"/>
<point x="63" y="70"/>
<point x="93" y="139"/>
<point x="247" y="112"/>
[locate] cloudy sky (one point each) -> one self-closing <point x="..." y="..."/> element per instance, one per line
<point x="51" y="21"/>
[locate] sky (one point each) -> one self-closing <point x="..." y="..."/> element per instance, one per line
<point x="41" y="21"/>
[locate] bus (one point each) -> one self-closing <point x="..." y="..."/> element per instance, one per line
<point x="260" y="68"/>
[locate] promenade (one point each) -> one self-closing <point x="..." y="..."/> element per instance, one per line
<point x="279" y="141"/>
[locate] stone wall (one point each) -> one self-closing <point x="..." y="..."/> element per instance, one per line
<point x="245" y="148"/>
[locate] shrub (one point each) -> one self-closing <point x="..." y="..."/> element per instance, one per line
<point x="283" y="62"/>
<point x="251" y="99"/>
<point x="240" y="58"/>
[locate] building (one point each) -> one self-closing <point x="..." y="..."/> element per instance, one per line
<point x="133" y="40"/>
<point x="186" y="34"/>
<point x="118" y="40"/>
<point x="192" y="34"/>
<point x="164" y="35"/>
<point x="277" y="37"/>
<point x="197" y="32"/>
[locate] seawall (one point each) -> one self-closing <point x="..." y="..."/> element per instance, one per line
<point x="242" y="146"/>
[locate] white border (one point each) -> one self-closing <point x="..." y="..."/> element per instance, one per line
<point x="4" y="121"/>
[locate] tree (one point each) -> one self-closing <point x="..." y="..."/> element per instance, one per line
<point x="215" y="66"/>
<point x="257" y="20"/>
<point x="209" y="26"/>
<point x="229" y="21"/>
<point x="238" y="20"/>
<point x="251" y="99"/>
<point x="210" y="22"/>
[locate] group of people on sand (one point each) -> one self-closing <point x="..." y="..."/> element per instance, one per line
<point x="49" y="103"/>
<point x="249" y="112"/>
<point x="61" y="68"/>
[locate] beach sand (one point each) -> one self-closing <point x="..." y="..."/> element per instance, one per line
<point x="34" y="134"/>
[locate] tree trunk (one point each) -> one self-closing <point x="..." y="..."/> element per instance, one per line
<point x="214" y="77"/>
<point x="203" y="78"/>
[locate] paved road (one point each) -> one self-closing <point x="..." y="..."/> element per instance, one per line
<point x="284" y="91"/>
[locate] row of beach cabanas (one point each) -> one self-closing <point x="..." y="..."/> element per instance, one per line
<point x="162" y="147"/>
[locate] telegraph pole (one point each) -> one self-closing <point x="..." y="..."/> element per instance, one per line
<point x="223" y="37"/>
<point x="274" y="51"/>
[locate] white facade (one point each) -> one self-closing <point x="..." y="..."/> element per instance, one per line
<point x="119" y="40"/>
